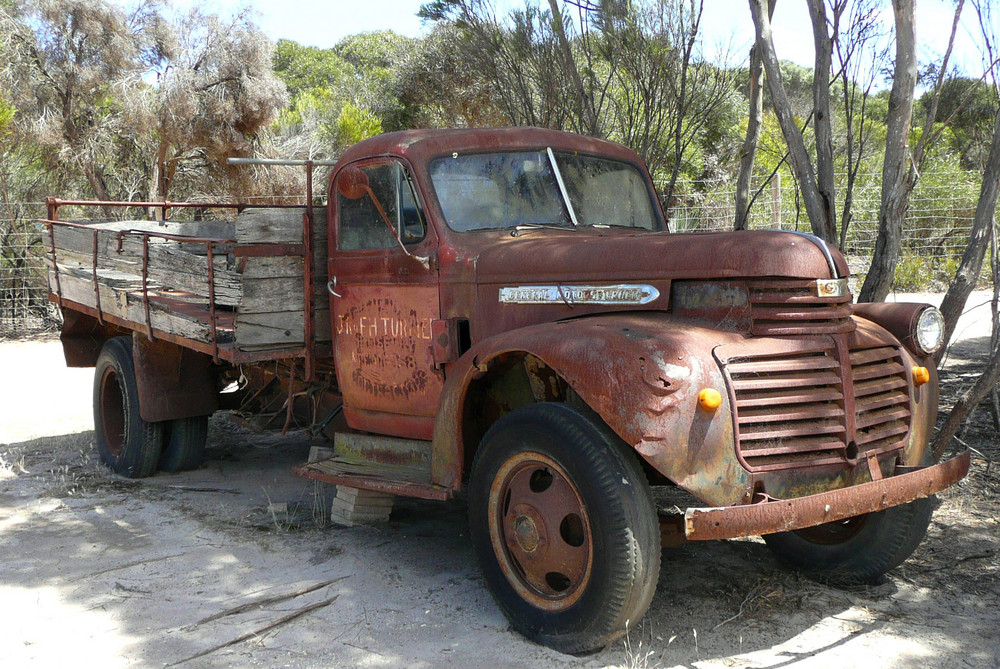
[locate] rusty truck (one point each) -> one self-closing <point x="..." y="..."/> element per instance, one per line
<point x="503" y="315"/>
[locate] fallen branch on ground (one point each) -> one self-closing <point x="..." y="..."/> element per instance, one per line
<point x="258" y="632"/>
<point x="258" y="603"/>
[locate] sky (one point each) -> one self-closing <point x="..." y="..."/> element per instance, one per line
<point x="323" y="23"/>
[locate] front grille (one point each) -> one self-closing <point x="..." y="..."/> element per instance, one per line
<point x="790" y="407"/>
<point x="881" y="402"/>
<point x="791" y="307"/>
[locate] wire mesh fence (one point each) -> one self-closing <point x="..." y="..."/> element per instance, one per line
<point x="24" y="305"/>
<point x="938" y="222"/>
<point x="937" y="227"/>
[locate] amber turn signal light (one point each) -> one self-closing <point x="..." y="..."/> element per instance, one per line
<point x="710" y="399"/>
<point x="921" y="375"/>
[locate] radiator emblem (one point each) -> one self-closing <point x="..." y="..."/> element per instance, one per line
<point x="831" y="288"/>
<point x="613" y="295"/>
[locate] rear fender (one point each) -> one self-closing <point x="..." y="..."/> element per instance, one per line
<point x="641" y="373"/>
<point x="173" y="382"/>
<point x="83" y="336"/>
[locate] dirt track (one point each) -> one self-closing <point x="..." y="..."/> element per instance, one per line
<point x="127" y="573"/>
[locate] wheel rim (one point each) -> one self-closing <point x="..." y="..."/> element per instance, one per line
<point x="540" y="531"/>
<point x="112" y="412"/>
<point x="831" y="534"/>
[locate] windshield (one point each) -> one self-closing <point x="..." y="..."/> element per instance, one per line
<point x="506" y="190"/>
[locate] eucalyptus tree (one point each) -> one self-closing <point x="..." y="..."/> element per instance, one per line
<point x="629" y="71"/>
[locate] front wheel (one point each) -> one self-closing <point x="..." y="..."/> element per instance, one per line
<point x="855" y="551"/>
<point x="564" y="526"/>
<point x="127" y="444"/>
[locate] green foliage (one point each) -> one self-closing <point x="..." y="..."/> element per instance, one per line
<point x="354" y="125"/>
<point x="969" y="106"/>
<point x="917" y="273"/>
<point x="7" y="112"/>
<point x="307" y="106"/>
<point x="304" y="68"/>
<point x="438" y="10"/>
<point x="361" y="70"/>
<point x="373" y="53"/>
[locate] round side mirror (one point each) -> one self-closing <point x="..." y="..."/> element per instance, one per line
<point x="352" y="183"/>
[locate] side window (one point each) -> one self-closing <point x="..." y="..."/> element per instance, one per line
<point x="383" y="208"/>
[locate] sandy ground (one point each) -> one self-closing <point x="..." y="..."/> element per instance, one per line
<point x="171" y="569"/>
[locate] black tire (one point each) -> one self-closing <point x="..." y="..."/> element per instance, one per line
<point x="856" y="551"/>
<point x="127" y="444"/>
<point x="185" y="448"/>
<point x="565" y="528"/>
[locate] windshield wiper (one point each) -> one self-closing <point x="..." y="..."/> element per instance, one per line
<point x="517" y="229"/>
<point x="562" y="186"/>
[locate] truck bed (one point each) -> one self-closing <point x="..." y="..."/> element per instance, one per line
<point x="155" y="276"/>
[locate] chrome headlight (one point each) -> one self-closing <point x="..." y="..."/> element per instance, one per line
<point x="929" y="331"/>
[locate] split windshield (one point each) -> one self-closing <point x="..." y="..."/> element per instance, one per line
<point x="546" y="188"/>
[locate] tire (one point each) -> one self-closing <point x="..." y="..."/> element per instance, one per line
<point x="185" y="447"/>
<point x="564" y="526"/>
<point x="856" y="551"/>
<point x="127" y="444"/>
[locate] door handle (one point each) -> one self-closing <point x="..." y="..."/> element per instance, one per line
<point x="330" y="285"/>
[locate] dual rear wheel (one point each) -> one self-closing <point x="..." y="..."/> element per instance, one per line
<point x="128" y="444"/>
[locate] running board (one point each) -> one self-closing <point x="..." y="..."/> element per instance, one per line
<point x="380" y="464"/>
<point x="338" y="472"/>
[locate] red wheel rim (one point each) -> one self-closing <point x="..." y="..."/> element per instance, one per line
<point x="541" y="531"/>
<point x="112" y="409"/>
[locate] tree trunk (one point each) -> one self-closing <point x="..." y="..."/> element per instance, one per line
<point x="588" y="115"/>
<point x="967" y="404"/>
<point x="749" y="153"/>
<point x="816" y="208"/>
<point x="95" y="178"/>
<point x="822" y="123"/>
<point x="896" y="183"/>
<point x="979" y="240"/>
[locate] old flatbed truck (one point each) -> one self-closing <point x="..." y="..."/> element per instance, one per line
<point x="503" y="313"/>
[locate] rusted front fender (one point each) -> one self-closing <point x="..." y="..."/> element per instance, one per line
<point x="641" y="372"/>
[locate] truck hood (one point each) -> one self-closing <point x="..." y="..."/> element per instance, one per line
<point x="546" y="255"/>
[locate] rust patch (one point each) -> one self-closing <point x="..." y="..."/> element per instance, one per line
<point x="826" y="507"/>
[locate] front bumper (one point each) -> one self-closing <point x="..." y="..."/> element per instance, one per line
<point x="731" y="522"/>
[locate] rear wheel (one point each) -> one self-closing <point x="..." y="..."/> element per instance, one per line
<point x="127" y="444"/>
<point x="564" y="526"/>
<point x="185" y="447"/>
<point x="857" y="550"/>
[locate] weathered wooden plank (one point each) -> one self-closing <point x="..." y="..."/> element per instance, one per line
<point x="262" y="267"/>
<point x="274" y="225"/>
<point x="268" y="292"/>
<point x="279" y="328"/>
<point x="169" y="269"/>
<point x="285" y="267"/>
<point x="211" y="228"/>
<point x="279" y="294"/>
<point x="129" y="306"/>
<point x="179" y="270"/>
<point x="82" y="239"/>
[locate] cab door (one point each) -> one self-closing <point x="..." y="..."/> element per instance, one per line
<point x="384" y="297"/>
